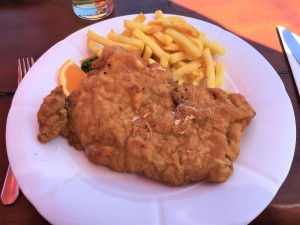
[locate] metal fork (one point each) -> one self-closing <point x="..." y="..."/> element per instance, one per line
<point x="10" y="190"/>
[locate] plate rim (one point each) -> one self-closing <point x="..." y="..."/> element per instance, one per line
<point x="151" y="14"/>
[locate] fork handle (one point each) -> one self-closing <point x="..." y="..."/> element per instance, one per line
<point x="10" y="191"/>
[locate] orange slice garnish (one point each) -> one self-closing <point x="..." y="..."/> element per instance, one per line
<point x="70" y="76"/>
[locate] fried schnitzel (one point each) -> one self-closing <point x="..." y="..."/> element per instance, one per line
<point x="52" y="116"/>
<point x="132" y="117"/>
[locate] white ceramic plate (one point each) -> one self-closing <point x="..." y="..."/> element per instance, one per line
<point x="66" y="189"/>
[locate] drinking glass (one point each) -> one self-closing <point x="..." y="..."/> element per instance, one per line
<point x="92" y="9"/>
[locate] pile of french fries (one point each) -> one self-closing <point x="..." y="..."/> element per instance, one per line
<point x="172" y="42"/>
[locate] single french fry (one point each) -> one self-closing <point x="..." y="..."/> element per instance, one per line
<point x="180" y="82"/>
<point x="184" y="42"/>
<point x="214" y="47"/>
<point x="147" y="54"/>
<point x="182" y="27"/>
<point x="183" y="80"/>
<point x="154" y="29"/>
<point x="156" y="22"/>
<point x="106" y="42"/>
<point x="159" y="14"/>
<point x="151" y="61"/>
<point x="172" y="47"/>
<point x="186" y="69"/>
<point x="164" y="60"/>
<point x="196" y="76"/>
<point x="156" y="41"/>
<point x="174" y="18"/>
<point x="159" y="21"/>
<point x="139" y="18"/>
<point x="163" y="38"/>
<point x="197" y="42"/>
<point x="131" y="24"/>
<point x="209" y="69"/>
<point x="92" y="45"/>
<point x="178" y="56"/>
<point x="126" y="40"/>
<point x="179" y="64"/>
<point x="202" y="34"/>
<point x="149" y="42"/>
<point x="219" y="74"/>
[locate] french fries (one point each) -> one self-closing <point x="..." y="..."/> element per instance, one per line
<point x="219" y="74"/>
<point x="186" y="69"/>
<point x="159" y="14"/>
<point x="131" y="24"/>
<point x="213" y="46"/>
<point x="149" y="42"/>
<point x="154" y="29"/>
<point x="184" y="43"/>
<point x="147" y="54"/>
<point x="163" y="38"/>
<point x="126" y="40"/>
<point x="172" y="42"/>
<point x="92" y="45"/>
<point x="178" y="56"/>
<point x="107" y="42"/>
<point x="139" y="18"/>
<point x="172" y="47"/>
<point x="209" y="68"/>
<point x="181" y="27"/>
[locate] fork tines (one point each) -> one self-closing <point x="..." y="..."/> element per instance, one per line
<point x="23" y="67"/>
